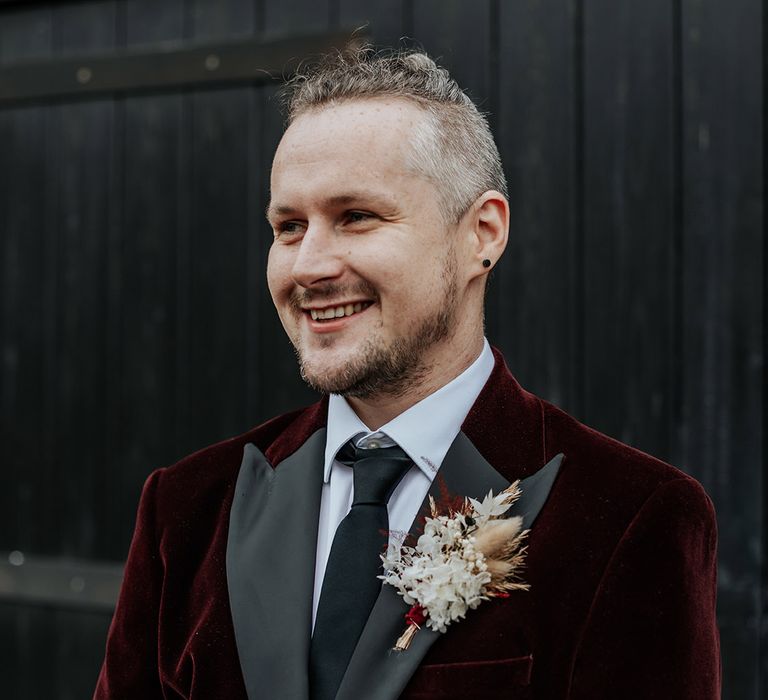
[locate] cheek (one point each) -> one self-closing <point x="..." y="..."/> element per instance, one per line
<point x="413" y="276"/>
<point x="278" y="273"/>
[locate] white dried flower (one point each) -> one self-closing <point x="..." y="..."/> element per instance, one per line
<point x="460" y="560"/>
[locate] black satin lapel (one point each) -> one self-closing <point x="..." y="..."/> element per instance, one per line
<point x="376" y="672"/>
<point x="535" y="491"/>
<point x="271" y="549"/>
<point x="466" y="473"/>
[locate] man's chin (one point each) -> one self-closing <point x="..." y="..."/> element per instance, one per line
<point x="362" y="375"/>
<point x="324" y="369"/>
<point x="327" y="380"/>
<point x="337" y="372"/>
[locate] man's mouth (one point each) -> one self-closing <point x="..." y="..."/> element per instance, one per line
<point x="331" y="312"/>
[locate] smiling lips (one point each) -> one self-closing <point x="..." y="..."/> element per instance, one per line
<point x="332" y="312"/>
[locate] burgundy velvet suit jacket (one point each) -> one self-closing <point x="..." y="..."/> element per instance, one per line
<point x="621" y="564"/>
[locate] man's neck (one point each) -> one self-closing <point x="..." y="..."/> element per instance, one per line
<point x="378" y="410"/>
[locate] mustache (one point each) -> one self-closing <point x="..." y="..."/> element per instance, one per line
<point x="329" y="290"/>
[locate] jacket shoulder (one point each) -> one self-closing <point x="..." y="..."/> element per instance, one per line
<point x="612" y="470"/>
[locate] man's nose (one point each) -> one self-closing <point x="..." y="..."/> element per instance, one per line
<point x="319" y="257"/>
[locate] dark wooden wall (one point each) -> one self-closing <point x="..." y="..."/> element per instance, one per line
<point x="136" y="325"/>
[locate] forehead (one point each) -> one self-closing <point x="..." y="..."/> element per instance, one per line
<point x="360" y="143"/>
<point x="351" y="124"/>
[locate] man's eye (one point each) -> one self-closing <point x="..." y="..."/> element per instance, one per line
<point x="288" y="228"/>
<point x="355" y="217"/>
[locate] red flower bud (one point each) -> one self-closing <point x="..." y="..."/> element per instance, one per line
<point x="416" y="615"/>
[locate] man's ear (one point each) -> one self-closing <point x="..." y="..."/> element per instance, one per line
<point x="489" y="230"/>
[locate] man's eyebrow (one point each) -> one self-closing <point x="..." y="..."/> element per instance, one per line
<point x="277" y="210"/>
<point x="362" y="196"/>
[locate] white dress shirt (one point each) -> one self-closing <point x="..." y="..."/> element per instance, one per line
<point x="425" y="431"/>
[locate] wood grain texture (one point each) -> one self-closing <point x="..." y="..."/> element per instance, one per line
<point x="27" y="337"/>
<point x="298" y="16"/>
<point x="628" y="220"/>
<point x="144" y="278"/>
<point x="212" y="348"/>
<point x="25" y="34"/>
<point x="383" y="21"/>
<point x="80" y="168"/>
<point x="71" y="643"/>
<point x="27" y="289"/>
<point x="723" y="308"/>
<point x="458" y="35"/>
<point x="538" y="307"/>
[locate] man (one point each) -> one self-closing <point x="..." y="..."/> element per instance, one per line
<point x="389" y="209"/>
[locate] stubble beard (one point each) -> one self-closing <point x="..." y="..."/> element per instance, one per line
<point x="390" y="369"/>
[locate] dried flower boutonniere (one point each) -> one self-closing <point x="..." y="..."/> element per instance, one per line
<point x="464" y="557"/>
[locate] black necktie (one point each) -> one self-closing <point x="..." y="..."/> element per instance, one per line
<point x="350" y="586"/>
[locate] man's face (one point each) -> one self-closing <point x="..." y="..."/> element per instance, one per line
<point x="363" y="269"/>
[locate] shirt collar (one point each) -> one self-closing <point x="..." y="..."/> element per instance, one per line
<point x="426" y="430"/>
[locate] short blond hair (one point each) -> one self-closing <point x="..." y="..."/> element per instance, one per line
<point x="453" y="147"/>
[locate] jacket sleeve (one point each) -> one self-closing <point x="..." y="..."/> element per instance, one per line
<point x="651" y="630"/>
<point x="130" y="667"/>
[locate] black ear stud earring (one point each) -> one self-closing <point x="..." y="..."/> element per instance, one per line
<point x="486" y="263"/>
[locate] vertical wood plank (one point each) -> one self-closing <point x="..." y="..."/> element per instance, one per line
<point x="297" y="16"/>
<point x="27" y="286"/>
<point x="225" y="19"/>
<point x="81" y="172"/>
<point x="10" y="643"/>
<point x="25" y="327"/>
<point x="212" y="347"/>
<point x="723" y="310"/>
<point x="79" y="654"/>
<point x="217" y="256"/>
<point x="629" y="221"/>
<point x="83" y="145"/>
<point x="25" y="34"/>
<point x="64" y="638"/>
<point x="34" y="634"/>
<point x="145" y="277"/>
<point x="458" y="35"/>
<point x="535" y="286"/>
<point x="382" y="21"/>
<point x="146" y="22"/>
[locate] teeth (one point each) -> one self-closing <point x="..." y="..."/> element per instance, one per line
<point x="338" y="311"/>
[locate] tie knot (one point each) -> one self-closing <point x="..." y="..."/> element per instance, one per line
<point x="377" y="471"/>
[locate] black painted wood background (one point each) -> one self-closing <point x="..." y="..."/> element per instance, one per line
<point x="136" y="326"/>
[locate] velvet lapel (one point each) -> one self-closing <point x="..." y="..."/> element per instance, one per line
<point x="377" y="673"/>
<point x="271" y="565"/>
